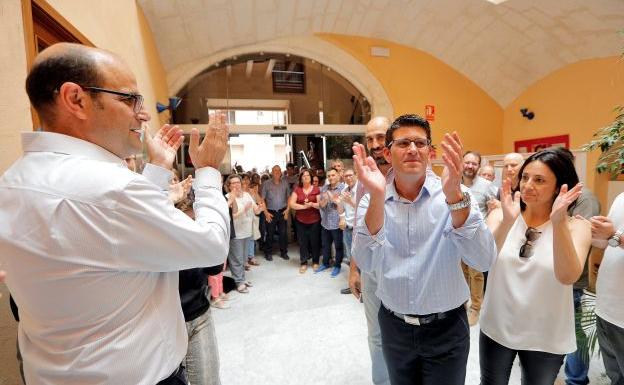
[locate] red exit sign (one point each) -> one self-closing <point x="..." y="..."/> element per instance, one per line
<point x="430" y="112"/>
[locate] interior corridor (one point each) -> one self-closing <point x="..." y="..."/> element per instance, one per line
<point x="298" y="329"/>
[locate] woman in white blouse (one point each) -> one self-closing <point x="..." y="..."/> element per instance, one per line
<point x="243" y="228"/>
<point x="528" y="309"/>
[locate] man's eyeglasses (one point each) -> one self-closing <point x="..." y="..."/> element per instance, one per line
<point x="532" y="234"/>
<point x="135" y="99"/>
<point x="404" y="143"/>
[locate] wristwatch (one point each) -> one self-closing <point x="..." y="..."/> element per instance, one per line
<point x="614" y="241"/>
<point x="462" y="204"/>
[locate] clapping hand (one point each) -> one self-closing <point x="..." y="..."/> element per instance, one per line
<point x="178" y="191"/>
<point x="212" y="149"/>
<point x="162" y="147"/>
<point x="334" y="197"/>
<point x="493" y="204"/>
<point x="565" y="198"/>
<point x="2" y="277"/>
<point x="368" y="172"/>
<point x="452" y="157"/>
<point x="601" y="227"/>
<point x="510" y="202"/>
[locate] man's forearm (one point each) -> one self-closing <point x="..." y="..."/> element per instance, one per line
<point x="375" y="214"/>
<point x="353" y="266"/>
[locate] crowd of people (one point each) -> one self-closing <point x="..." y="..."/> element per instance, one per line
<point x="319" y="206"/>
<point x="113" y="273"/>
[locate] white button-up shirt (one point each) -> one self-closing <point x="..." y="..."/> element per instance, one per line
<point x="92" y="252"/>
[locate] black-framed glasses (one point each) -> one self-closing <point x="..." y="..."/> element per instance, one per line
<point x="404" y="143"/>
<point x="531" y="235"/>
<point x="137" y="99"/>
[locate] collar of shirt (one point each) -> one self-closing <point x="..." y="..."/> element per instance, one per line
<point x="65" y="144"/>
<point x="432" y="183"/>
<point x="339" y="186"/>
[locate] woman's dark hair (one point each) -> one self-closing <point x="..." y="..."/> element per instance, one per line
<point x="560" y="163"/>
<point x="408" y="120"/>
<point x="303" y="171"/>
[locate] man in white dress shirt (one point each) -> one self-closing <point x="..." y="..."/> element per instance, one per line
<point x="93" y="260"/>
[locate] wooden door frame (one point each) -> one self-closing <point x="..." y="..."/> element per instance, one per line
<point x="52" y="20"/>
<point x="54" y="17"/>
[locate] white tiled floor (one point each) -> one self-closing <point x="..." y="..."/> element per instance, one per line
<point x="298" y="329"/>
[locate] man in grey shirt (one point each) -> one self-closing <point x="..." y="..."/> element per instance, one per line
<point x="275" y="193"/>
<point x="587" y="206"/>
<point x="482" y="190"/>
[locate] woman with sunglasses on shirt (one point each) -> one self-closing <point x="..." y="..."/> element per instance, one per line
<point x="528" y="308"/>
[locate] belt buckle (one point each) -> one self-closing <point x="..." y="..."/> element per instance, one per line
<point x="411" y="320"/>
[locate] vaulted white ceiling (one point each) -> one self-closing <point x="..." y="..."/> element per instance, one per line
<point x="503" y="48"/>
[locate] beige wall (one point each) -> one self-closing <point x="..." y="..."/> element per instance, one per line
<point x="120" y="26"/>
<point x="576" y="100"/>
<point x="326" y="86"/>
<point x="117" y="25"/>
<point x="14" y="106"/>
<point x="413" y="79"/>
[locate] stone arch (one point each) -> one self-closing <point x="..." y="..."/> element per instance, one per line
<point x="311" y="47"/>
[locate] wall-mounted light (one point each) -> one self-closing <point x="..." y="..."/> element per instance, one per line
<point x="174" y="102"/>
<point x="527" y="114"/>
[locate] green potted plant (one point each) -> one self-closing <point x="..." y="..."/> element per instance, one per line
<point x="610" y="141"/>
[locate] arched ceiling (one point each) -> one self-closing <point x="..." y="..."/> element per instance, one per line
<point x="503" y="48"/>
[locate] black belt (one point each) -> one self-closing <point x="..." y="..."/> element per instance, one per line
<point x="414" y="319"/>
<point x="178" y="377"/>
<point x="279" y="210"/>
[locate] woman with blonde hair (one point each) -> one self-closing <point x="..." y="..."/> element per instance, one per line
<point x="243" y="222"/>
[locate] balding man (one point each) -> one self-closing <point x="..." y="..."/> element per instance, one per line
<point x="511" y="166"/>
<point x="93" y="263"/>
<point x="365" y="285"/>
<point x="512" y="163"/>
<point x="487" y="172"/>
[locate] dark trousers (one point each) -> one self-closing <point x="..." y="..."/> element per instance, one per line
<point x="262" y="228"/>
<point x="176" y="378"/>
<point x="575" y="367"/>
<point x="277" y="223"/>
<point x="335" y="236"/>
<point x="496" y="360"/>
<point x="611" y="340"/>
<point x="431" y="354"/>
<point x="309" y="237"/>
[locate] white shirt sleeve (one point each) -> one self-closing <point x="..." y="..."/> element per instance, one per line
<point x="149" y="234"/>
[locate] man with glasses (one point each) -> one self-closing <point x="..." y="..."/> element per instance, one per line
<point x="363" y="285"/>
<point x="276" y="192"/>
<point x="416" y="230"/>
<point x="93" y="263"/>
<point x="348" y="196"/>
